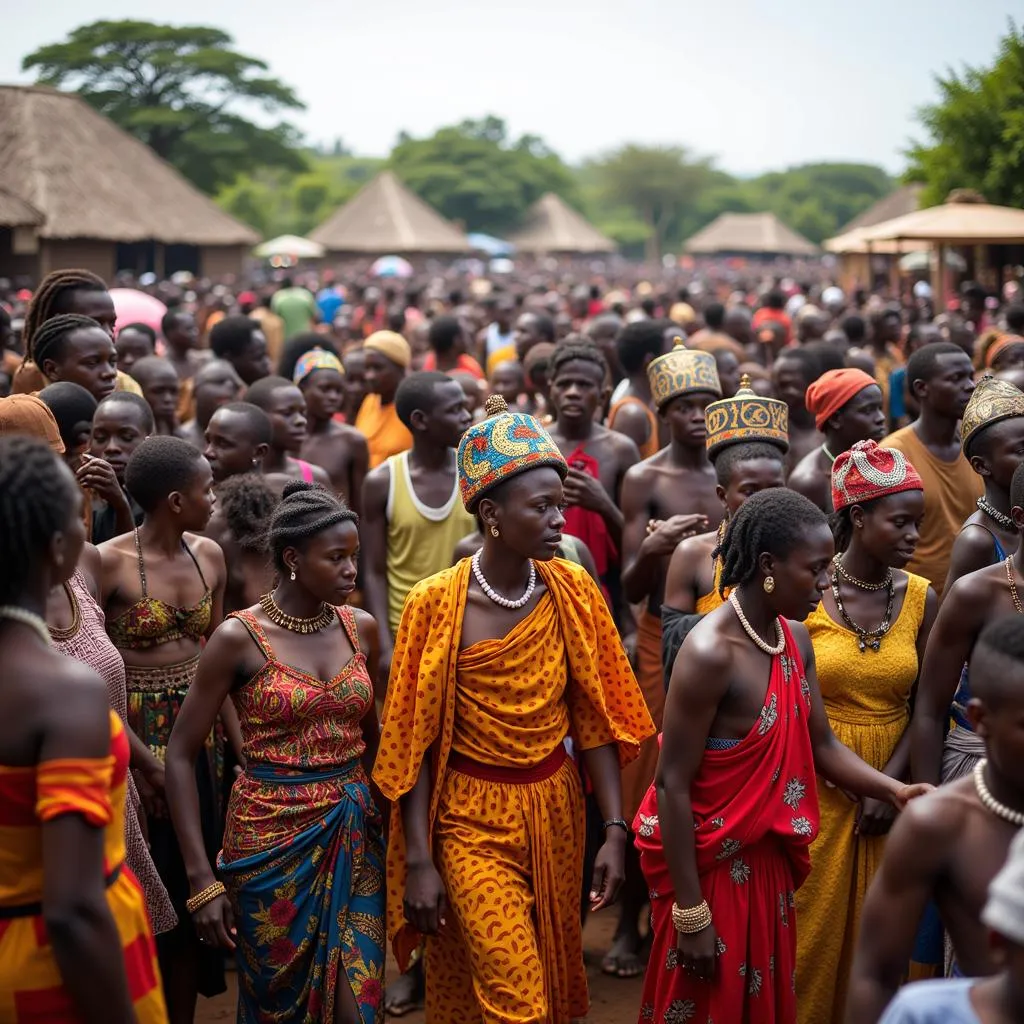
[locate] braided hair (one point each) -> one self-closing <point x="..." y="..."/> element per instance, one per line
<point x="247" y="503"/>
<point x="50" y="341"/>
<point x="304" y="510"/>
<point x="37" y="497"/>
<point x="50" y="300"/>
<point x="773" y="522"/>
<point x="583" y="352"/>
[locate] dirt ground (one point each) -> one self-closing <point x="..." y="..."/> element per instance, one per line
<point x="613" y="1000"/>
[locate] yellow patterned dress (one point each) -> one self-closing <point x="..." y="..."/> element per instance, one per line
<point x="866" y="699"/>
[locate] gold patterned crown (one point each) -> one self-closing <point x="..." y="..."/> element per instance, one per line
<point x="746" y="417"/>
<point x="993" y="400"/>
<point x="681" y="372"/>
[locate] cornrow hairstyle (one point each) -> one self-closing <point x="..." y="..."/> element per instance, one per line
<point x="50" y="300"/>
<point x="147" y="422"/>
<point x="418" y="391"/>
<point x="728" y="458"/>
<point x="247" y="503"/>
<point x="261" y="392"/>
<point x="775" y="522"/>
<point x="158" y="467"/>
<point x="139" y="328"/>
<point x="304" y="510"/>
<point x="73" y="408"/>
<point x="585" y="353"/>
<point x="37" y="496"/>
<point x="50" y="340"/>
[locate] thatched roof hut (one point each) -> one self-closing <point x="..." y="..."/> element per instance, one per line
<point x="553" y="226"/>
<point x="751" y="234"/>
<point x="384" y="217"/>
<point x="108" y="202"/>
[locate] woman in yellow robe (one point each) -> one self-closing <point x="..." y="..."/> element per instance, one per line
<point x="486" y="847"/>
<point x="869" y="635"/>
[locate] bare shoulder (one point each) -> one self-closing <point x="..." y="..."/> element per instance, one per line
<point x="230" y="637"/>
<point x="976" y="586"/>
<point x="938" y="818"/>
<point x="366" y="624"/>
<point x="378" y="479"/>
<point x="622" y="446"/>
<point x="91" y="564"/>
<point x="112" y="550"/>
<point x="692" y="550"/>
<point x="644" y="473"/>
<point x="802" y="639"/>
<point x="205" y="548"/>
<point x="706" y="649"/>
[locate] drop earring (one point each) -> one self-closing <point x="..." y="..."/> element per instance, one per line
<point x="769" y="584"/>
<point x="495" y="532"/>
<point x="293" y="575"/>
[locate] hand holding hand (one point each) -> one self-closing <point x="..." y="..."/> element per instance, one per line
<point x="664" y="534"/>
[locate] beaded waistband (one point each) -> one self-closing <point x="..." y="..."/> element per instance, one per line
<point x="158" y="678"/>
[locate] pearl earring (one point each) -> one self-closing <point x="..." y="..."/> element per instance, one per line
<point x="293" y="575"/>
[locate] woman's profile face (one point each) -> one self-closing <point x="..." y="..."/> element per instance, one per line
<point x="802" y="577"/>
<point x="327" y="563"/>
<point x="528" y="513"/>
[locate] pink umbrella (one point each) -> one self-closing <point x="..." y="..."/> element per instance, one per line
<point x="134" y="307"/>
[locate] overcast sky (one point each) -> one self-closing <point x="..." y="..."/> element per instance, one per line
<point x="758" y="84"/>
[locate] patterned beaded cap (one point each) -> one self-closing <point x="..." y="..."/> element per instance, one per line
<point x="746" y="417"/>
<point x="501" y="446"/>
<point x="991" y="401"/>
<point x="682" y="371"/>
<point x="868" y="471"/>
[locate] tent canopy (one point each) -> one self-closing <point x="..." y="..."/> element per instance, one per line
<point x="953" y="223"/>
<point x="89" y="179"/>
<point x="289" y="245"/>
<point x="385" y="217"/>
<point x="756" y="234"/>
<point x="552" y="225"/>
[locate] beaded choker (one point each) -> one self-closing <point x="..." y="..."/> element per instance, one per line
<point x="320" y="621"/>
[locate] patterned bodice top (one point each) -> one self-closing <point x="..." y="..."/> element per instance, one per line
<point x="292" y="719"/>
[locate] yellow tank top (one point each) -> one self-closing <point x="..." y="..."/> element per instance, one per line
<point x="421" y="539"/>
<point x="709" y="602"/>
<point x="870" y="686"/>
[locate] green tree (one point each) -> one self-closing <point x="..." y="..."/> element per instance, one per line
<point x="475" y="174"/>
<point x="976" y="130"/>
<point x="182" y="90"/>
<point x="657" y="184"/>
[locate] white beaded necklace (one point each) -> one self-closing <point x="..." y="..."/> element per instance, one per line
<point x="752" y="633"/>
<point x="989" y="801"/>
<point x="494" y="595"/>
<point x="34" y="622"/>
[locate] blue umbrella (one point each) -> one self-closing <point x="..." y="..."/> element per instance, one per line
<point x="490" y="245"/>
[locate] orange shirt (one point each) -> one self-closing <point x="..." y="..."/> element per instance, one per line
<point x="385" y="433"/>
<point x="951" y="490"/>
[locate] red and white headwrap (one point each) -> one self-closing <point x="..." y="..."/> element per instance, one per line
<point x="868" y="471"/>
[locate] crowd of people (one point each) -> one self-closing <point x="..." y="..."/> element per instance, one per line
<point x="341" y="616"/>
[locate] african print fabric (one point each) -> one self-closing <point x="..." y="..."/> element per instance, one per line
<point x="31" y="988"/>
<point x="755" y="813"/>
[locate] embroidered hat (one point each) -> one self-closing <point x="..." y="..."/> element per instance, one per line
<point x="501" y="446"/>
<point x="682" y="371"/>
<point x="991" y="401"/>
<point x="316" y="359"/>
<point x="832" y="390"/>
<point x="867" y="471"/>
<point x="746" y="417"/>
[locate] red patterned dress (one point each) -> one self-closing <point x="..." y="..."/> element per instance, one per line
<point x="755" y="814"/>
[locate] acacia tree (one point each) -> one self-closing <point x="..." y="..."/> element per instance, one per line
<point x="976" y="130"/>
<point x="180" y="89"/>
<point x="473" y="173"/>
<point x="657" y="184"/>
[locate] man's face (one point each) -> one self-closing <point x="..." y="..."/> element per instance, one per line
<point x="449" y="418"/>
<point x="863" y="417"/>
<point x="950" y="386"/>
<point x="576" y="390"/>
<point x="287" y="412"/>
<point x="790" y="383"/>
<point x="525" y="335"/>
<point x="382" y="375"/>
<point x="117" y="430"/>
<point x="254" y="363"/>
<point x="131" y="346"/>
